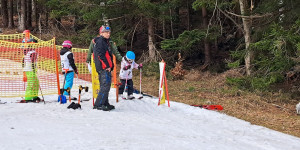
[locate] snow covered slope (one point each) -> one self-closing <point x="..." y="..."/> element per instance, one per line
<point x="133" y="125"/>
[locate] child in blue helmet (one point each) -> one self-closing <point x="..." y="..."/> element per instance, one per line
<point x="127" y="64"/>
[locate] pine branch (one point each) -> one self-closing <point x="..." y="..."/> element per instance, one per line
<point x="226" y="15"/>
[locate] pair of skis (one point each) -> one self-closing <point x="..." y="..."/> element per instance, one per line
<point x="29" y="101"/>
<point x="2" y="102"/>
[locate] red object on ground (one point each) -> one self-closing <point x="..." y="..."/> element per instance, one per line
<point x="210" y="107"/>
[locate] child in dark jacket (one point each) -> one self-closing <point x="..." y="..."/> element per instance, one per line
<point x="68" y="66"/>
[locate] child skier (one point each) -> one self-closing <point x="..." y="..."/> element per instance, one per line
<point x="127" y="65"/>
<point x="29" y="72"/>
<point x="67" y="62"/>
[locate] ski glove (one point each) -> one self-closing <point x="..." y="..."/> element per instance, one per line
<point x="24" y="77"/>
<point x="127" y="67"/>
<point x="140" y="66"/>
<point x="89" y="67"/>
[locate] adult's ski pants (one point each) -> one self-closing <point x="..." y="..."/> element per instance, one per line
<point x="105" y="83"/>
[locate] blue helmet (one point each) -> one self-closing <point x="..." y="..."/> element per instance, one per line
<point x="130" y="55"/>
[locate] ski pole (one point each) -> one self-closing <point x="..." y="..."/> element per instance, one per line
<point x="80" y="89"/>
<point x="63" y="89"/>
<point x="125" y="87"/>
<point x="42" y="94"/>
<point x="141" y="96"/>
<point x="41" y="90"/>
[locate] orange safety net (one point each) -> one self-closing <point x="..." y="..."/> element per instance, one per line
<point x="48" y="71"/>
<point x="34" y="61"/>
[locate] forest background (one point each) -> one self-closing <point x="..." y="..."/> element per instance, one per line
<point x="242" y="54"/>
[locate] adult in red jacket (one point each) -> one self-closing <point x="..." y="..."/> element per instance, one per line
<point x="104" y="66"/>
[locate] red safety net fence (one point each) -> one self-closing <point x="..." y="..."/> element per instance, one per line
<point x="40" y="62"/>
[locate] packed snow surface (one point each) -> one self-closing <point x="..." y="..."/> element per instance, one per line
<point x="133" y="125"/>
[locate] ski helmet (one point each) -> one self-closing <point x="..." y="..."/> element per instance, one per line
<point x="28" y="47"/>
<point x="26" y="31"/>
<point x="130" y="56"/>
<point x="31" y="40"/>
<point x="104" y="29"/>
<point x="67" y="44"/>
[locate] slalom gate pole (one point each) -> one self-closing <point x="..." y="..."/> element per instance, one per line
<point x="56" y="69"/>
<point x="115" y="71"/>
<point x="27" y="37"/>
<point x="116" y="86"/>
<point x="140" y="81"/>
<point x="167" y="92"/>
<point x="161" y="85"/>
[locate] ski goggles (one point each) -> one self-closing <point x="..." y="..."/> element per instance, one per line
<point x="130" y="60"/>
<point x="104" y="29"/>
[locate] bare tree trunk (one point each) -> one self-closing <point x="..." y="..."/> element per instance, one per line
<point x="4" y="12"/>
<point x="34" y="12"/>
<point x="188" y="15"/>
<point x="11" y="14"/>
<point x="176" y="22"/>
<point x="206" y="42"/>
<point x="172" y="29"/>
<point x="22" y="16"/>
<point x="39" y="23"/>
<point x="151" y="40"/>
<point x="19" y="11"/>
<point x="247" y="26"/>
<point x="164" y="24"/>
<point x="29" y="14"/>
<point x="25" y="16"/>
<point x="164" y="29"/>
<point x="47" y="18"/>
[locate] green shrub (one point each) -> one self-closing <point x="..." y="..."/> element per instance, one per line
<point x="152" y="69"/>
<point x="253" y="83"/>
<point x="272" y="58"/>
<point x="191" y="89"/>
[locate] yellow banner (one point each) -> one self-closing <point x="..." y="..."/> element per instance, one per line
<point x="163" y="98"/>
<point x="95" y="80"/>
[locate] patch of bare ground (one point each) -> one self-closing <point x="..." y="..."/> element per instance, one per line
<point x="272" y="110"/>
